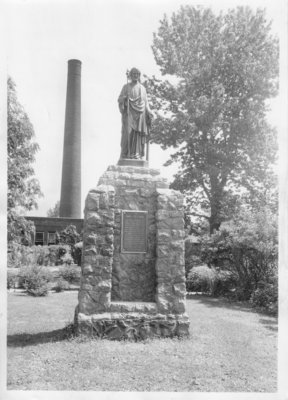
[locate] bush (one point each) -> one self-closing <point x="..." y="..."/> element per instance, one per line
<point x="61" y="285"/>
<point x="19" y="229"/>
<point x="224" y="283"/>
<point x="19" y="255"/>
<point x="192" y="253"/>
<point x="266" y="297"/>
<point x="76" y="253"/>
<point x="34" y="279"/>
<point x="11" y="280"/>
<point x="210" y="281"/>
<point x="60" y="254"/>
<point x="200" y="279"/>
<point x="71" y="237"/>
<point x="14" y="255"/>
<point x="70" y="274"/>
<point x="247" y="246"/>
<point x="67" y="259"/>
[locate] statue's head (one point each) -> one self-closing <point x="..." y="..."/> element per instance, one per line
<point x="134" y="74"/>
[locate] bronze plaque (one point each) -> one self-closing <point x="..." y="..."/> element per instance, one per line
<point x="134" y="232"/>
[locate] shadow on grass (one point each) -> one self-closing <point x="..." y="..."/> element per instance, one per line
<point x="28" y="339"/>
<point x="269" y="321"/>
<point x="272" y="325"/>
<point x="221" y="302"/>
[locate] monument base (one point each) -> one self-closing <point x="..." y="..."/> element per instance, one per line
<point x="132" y="274"/>
<point x="132" y="321"/>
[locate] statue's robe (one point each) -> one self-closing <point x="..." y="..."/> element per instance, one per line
<point x="136" y="117"/>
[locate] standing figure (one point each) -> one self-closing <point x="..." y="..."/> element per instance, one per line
<point x="136" y="117"/>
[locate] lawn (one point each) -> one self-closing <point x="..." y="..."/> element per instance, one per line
<point x="230" y="349"/>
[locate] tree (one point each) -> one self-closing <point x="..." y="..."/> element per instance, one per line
<point x="23" y="188"/>
<point x="225" y="67"/>
<point x="54" y="211"/>
<point x="71" y="237"/>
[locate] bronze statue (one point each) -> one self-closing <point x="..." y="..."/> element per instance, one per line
<point x="136" y="117"/>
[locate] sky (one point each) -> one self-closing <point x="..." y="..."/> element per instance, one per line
<point x="108" y="37"/>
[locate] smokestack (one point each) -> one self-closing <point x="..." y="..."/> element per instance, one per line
<point x="70" y="202"/>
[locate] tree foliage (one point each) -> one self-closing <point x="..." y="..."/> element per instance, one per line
<point x="23" y="188"/>
<point x="71" y="237"/>
<point x="224" y="68"/>
<point x="54" y="212"/>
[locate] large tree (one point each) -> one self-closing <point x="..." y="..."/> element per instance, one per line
<point x="225" y="68"/>
<point x="23" y="188"/>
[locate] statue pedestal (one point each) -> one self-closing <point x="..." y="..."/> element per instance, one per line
<point x="133" y="275"/>
<point x="133" y="163"/>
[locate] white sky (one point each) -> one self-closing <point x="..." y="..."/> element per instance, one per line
<point x="108" y="37"/>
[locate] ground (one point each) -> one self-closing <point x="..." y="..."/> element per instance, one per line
<point x="230" y="349"/>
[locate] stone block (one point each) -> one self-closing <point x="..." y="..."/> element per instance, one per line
<point x="179" y="289"/>
<point x="89" y="238"/>
<point x="92" y="202"/>
<point x="90" y="250"/>
<point x="182" y="329"/>
<point x="87" y="269"/>
<point x="99" y="317"/>
<point x="93" y="220"/>
<point x="179" y="306"/>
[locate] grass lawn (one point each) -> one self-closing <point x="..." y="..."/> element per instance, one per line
<point x="231" y="348"/>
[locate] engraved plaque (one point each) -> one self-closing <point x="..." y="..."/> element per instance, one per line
<point x="134" y="232"/>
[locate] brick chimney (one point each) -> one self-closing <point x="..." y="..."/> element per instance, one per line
<point x="70" y="201"/>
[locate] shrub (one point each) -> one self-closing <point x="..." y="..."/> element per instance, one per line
<point x="224" y="283"/>
<point x="14" y="255"/>
<point x="11" y="280"/>
<point x="266" y="297"/>
<point x="61" y="254"/>
<point x="67" y="259"/>
<point x="34" y="279"/>
<point x="241" y="293"/>
<point x="61" y="285"/>
<point x="200" y="279"/>
<point x="70" y="274"/>
<point x="19" y="255"/>
<point x="247" y="246"/>
<point x="210" y="280"/>
<point x="42" y="255"/>
<point x="19" y="229"/>
<point x="76" y="253"/>
<point x="71" y="237"/>
<point x="192" y="253"/>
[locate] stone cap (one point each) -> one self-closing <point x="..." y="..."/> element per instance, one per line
<point x="133" y="163"/>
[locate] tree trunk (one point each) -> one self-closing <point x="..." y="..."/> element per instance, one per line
<point x="215" y="201"/>
<point x="214" y="223"/>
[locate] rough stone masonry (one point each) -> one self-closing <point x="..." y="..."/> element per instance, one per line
<point x="139" y="292"/>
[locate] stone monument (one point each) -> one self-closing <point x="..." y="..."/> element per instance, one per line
<point x="133" y="275"/>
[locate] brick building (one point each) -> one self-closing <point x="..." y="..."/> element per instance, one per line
<point x="46" y="228"/>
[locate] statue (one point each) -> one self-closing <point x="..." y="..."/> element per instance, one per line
<point x="136" y="117"/>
